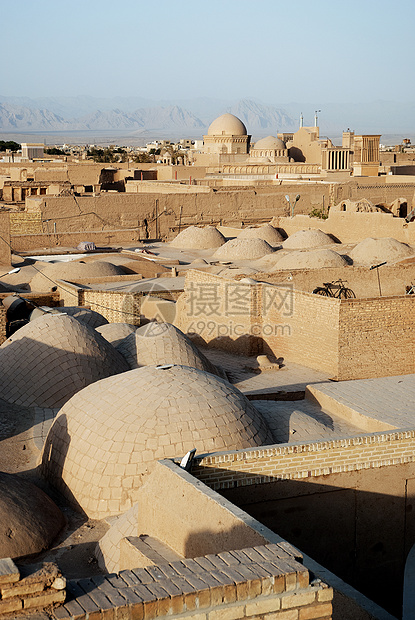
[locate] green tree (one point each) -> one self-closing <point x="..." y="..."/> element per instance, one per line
<point x="10" y="145"/>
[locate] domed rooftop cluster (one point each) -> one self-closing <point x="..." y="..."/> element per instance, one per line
<point x="227" y="125"/>
<point x="48" y="360"/>
<point x="162" y="343"/>
<point x="107" y="438"/>
<point x="371" y="251"/>
<point x="197" y="238"/>
<point x="243" y="249"/>
<point x="311" y="238"/>
<point x="46" y="279"/>
<point x="266" y="232"/>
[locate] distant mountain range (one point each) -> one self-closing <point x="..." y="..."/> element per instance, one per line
<point x="135" y="116"/>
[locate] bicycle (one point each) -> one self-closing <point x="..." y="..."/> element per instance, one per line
<point x="335" y="289"/>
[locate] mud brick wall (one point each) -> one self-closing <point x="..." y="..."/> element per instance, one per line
<point x="376" y="337"/>
<point x="255" y="319"/>
<point x="25" y="223"/>
<point x="310" y="328"/>
<point x="116" y="307"/>
<point x="348" y="339"/>
<point x="305" y="460"/>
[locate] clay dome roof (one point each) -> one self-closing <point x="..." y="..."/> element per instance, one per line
<point x="116" y="332"/>
<point x="227" y="125"/>
<point x="84" y="315"/>
<point x="270" y="143"/>
<point x="45" y="280"/>
<point x="371" y="251"/>
<point x="106" y="439"/>
<point x="311" y="259"/>
<point x="196" y="238"/>
<point x="243" y="249"/>
<point x="29" y="519"/>
<point x="48" y="360"/>
<point x="266" y="232"/>
<point x="161" y="343"/>
<point x="311" y="238"/>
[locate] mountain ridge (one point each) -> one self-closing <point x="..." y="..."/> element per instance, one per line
<point x="135" y="115"/>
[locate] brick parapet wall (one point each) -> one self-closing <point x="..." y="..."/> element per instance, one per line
<point x="258" y="583"/>
<point x="31" y="587"/>
<point x="305" y="460"/>
<point x="115" y="306"/>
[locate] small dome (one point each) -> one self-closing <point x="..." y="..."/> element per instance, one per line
<point x="270" y="144"/>
<point x="243" y="249"/>
<point x="156" y="344"/>
<point x="29" y="519"/>
<point x="48" y="360"/>
<point x="266" y="232"/>
<point x="303" y="239"/>
<point x="196" y="238"/>
<point x="46" y="279"/>
<point x="227" y="125"/>
<point x="107" y="438"/>
<point x="310" y="259"/>
<point x="116" y="332"/>
<point x="371" y="251"/>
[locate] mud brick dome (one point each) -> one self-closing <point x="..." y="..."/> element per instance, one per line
<point x="29" y="519"/>
<point x="46" y="279"/>
<point x="115" y="332"/>
<point x="243" y="249"/>
<point x="156" y="344"/>
<point x="107" y="438"/>
<point x="48" y="360"/>
<point x="227" y="125"/>
<point x="266" y="232"/>
<point x="196" y="238"/>
<point x="303" y="239"/>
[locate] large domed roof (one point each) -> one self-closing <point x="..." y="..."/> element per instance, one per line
<point x="107" y="438"/>
<point x="270" y="143"/>
<point x="161" y="343"/>
<point x="45" y="280"/>
<point x="227" y="125"/>
<point x="48" y="360"/>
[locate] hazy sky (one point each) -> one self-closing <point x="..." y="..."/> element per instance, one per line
<point x="271" y="50"/>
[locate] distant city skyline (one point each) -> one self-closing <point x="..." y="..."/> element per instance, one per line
<point x="269" y="50"/>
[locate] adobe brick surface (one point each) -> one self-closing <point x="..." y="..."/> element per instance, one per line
<point x="9" y="573"/>
<point x="242" y="584"/>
